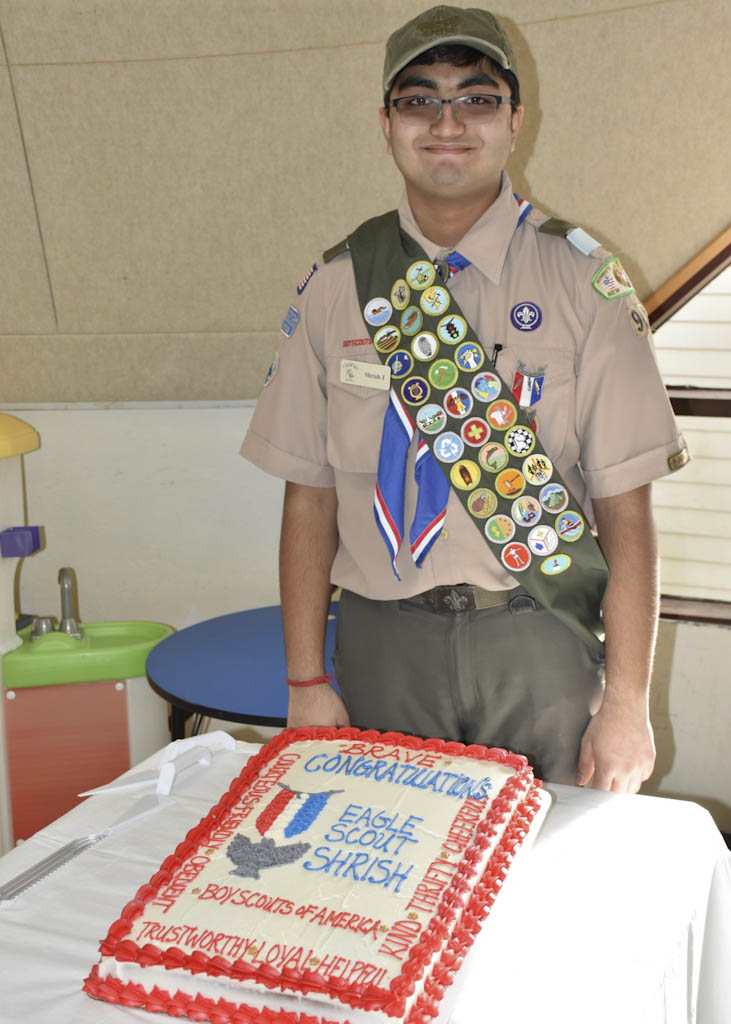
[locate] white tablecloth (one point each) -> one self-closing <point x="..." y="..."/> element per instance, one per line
<point x="619" y="914"/>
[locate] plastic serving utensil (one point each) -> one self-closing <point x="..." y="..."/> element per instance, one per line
<point x="163" y="778"/>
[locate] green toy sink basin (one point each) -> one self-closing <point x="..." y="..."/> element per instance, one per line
<point x="107" y="650"/>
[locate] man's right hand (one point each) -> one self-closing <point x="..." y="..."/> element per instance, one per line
<point x="316" y="705"/>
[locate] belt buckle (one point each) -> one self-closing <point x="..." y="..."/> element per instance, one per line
<point x="454" y="599"/>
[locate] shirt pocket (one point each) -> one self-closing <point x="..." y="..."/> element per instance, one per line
<point x="554" y="385"/>
<point x="354" y="421"/>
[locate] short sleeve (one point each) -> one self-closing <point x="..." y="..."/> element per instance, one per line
<point x="625" y="424"/>
<point x="287" y="436"/>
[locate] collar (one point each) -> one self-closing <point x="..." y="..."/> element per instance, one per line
<point x="486" y="243"/>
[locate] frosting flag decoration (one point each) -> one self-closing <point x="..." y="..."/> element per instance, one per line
<point x="479" y="437"/>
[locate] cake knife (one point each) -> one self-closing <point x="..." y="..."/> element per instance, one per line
<point x="44" y="867"/>
<point x="165" y="778"/>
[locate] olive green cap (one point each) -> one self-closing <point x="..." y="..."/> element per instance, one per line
<point x="470" y="26"/>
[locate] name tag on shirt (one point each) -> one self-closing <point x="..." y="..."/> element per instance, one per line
<point x="365" y="375"/>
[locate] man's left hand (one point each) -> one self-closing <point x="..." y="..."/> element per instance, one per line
<point x="617" y="749"/>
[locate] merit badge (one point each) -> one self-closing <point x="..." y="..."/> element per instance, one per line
<point x="515" y="556"/>
<point x="611" y="280"/>
<point x="486" y="387"/>
<point x="465" y="474"/>
<point x="554" y="497"/>
<point x="431" y="419"/>
<point x="272" y="370"/>
<point x="421" y="275"/>
<point x="424" y="345"/>
<point x="458" y="403"/>
<point x="387" y="338"/>
<point x="501" y="414"/>
<point x="400" y="363"/>
<point x="639" y="319"/>
<point x="520" y="440"/>
<point x="475" y="432"/>
<point x="411" y="320"/>
<point x="526" y="511"/>
<point x="470" y="356"/>
<point x="290" y="322"/>
<point x="500" y="529"/>
<point x="493" y="457"/>
<point x="569" y="526"/>
<point x="537" y="469"/>
<point x="482" y="503"/>
<point x="542" y="540"/>
<point x="377" y="311"/>
<point x="528" y="386"/>
<point x="443" y="374"/>
<point x="305" y="280"/>
<point x="415" y="390"/>
<point x="556" y="564"/>
<point x="435" y="301"/>
<point x="448" y="447"/>
<point x="526" y="316"/>
<point x="510" y="483"/>
<point x="452" y="329"/>
<point x="400" y="294"/>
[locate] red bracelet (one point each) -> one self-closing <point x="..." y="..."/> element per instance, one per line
<point x="318" y="681"/>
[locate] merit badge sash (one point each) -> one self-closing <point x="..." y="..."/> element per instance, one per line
<point x="443" y="382"/>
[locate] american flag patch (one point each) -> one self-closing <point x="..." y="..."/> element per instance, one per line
<point x="305" y="280"/>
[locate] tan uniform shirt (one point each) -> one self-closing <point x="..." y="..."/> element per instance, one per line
<point x="603" y="415"/>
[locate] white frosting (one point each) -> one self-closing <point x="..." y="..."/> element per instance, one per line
<point x="373" y="853"/>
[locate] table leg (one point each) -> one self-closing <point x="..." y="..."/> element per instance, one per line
<point x="177" y="723"/>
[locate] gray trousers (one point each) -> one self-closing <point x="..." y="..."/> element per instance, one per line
<point x="524" y="682"/>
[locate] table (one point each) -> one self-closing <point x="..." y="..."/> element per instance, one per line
<point x="217" y="668"/>
<point x="619" y="914"/>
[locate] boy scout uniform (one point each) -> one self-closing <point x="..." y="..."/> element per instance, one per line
<point x="571" y="339"/>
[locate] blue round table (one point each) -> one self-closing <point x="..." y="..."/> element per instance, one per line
<point x="231" y="667"/>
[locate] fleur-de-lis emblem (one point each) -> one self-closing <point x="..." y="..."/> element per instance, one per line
<point x="525" y="314"/>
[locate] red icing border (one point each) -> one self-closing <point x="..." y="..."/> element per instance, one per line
<point x="392" y="1001"/>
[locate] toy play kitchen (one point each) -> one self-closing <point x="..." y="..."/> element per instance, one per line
<point x="64" y="714"/>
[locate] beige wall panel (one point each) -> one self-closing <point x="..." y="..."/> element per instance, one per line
<point x="179" y="193"/>
<point x="40" y="31"/>
<point x="190" y="195"/>
<point x="25" y="299"/>
<point x="154" y="368"/>
<point x="629" y="143"/>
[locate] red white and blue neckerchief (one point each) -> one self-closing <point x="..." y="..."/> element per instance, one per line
<point x="433" y="485"/>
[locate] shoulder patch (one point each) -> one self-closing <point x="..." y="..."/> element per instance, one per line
<point x="611" y="280"/>
<point x="290" y="322"/>
<point x="638" y="318"/>
<point x="335" y="250"/>
<point x="306" y="279"/>
<point x="273" y="366"/>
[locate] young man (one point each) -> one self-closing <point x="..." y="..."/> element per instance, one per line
<point x="536" y="405"/>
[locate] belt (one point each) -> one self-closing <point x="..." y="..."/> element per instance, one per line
<point x="466" y="597"/>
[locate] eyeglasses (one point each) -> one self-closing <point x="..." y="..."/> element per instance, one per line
<point x="428" y="109"/>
